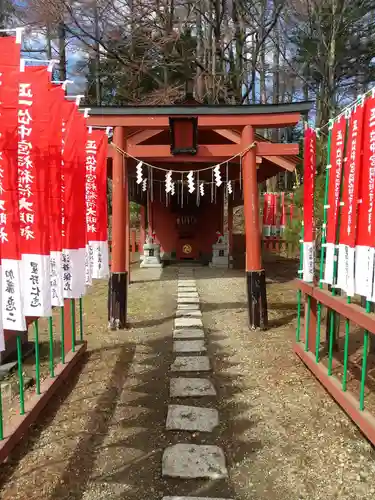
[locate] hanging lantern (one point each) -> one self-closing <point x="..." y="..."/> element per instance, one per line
<point x="184" y="135"/>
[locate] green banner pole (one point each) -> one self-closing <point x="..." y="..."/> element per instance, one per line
<point x="333" y="318"/>
<point x="323" y="242"/>
<point x="81" y="319"/>
<point x="73" y="322"/>
<point x="51" y="357"/>
<point x="62" y="332"/>
<point x="37" y="357"/>
<point x="20" y="375"/>
<point x="348" y="300"/>
<point x="299" y="293"/>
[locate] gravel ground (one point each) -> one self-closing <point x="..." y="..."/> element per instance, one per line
<point x="285" y="437"/>
<point x="103" y="438"/>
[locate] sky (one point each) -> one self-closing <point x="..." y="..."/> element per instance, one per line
<point x="73" y="54"/>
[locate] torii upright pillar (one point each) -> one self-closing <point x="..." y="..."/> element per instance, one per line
<point x="118" y="280"/>
<point x="255" y="275"/>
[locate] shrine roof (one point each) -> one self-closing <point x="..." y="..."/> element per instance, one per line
<point x="302" y="107"/>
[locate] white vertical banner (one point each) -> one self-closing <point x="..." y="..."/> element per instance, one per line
<point x="2" y="339"/>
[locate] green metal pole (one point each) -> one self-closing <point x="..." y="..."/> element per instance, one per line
<point x="299" y="293"/>
<point x="333" y="318"/>
<point x="1" y="418"/>
<point x="364" y="363"/>
<point x="347" y="324"/>
<point x="308" y="307"/>
<point x="20" y="375"/>
<point x="81" y="319"/>
<point x="51" y="357"/>
<point x="62" y="330"/>
<point x="37" y="357"/>
<point x="322" y="247"/>
<point x="346" y="352"/>
<point x="73" y="323"/>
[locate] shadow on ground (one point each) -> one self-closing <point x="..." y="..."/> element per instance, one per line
<point x="119" y="454"/>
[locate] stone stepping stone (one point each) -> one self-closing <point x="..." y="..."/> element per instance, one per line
<point x="186" y="283"/>
<point x="187" y="295"/>
<point x="188" y="333"/>
<point x="191" y="418"/>
<point x="188" y="323"/>
<point x="189" y="346"/>
<point x="189" y="307"/>
<point x="193" y="498"/>
<point x="191" y="387"/>
<point x="191" y="364"/>
<point x="192" y="461"/>
<point x="187" y="289"/>
<point x="188" y="300"/>
<point x="186" y="313"/>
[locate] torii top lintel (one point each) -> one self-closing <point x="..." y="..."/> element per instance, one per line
<point x="209" y="116"/>
<point x="144" y="122"/>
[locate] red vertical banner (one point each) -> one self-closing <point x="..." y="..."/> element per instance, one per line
<point x="267" y="215"/>
<point x="282" y="214"/>
<point x="365" y="237"/>
<point x="57" y="98"/>
<point x="349" y="209"/>
<point x="334" y="185"/>
<point x="73" y="182"/>
<point x="309" y="165"/>
<point x="12" y="302"/>
<point x="96" y="203"/>
<point x="33" y="187"/>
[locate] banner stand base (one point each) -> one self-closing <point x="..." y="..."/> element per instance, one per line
<point x="257" y="299"/>
<point x="117" y="301"/>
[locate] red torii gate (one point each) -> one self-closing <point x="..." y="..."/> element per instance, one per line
<point x="231" y="129"/>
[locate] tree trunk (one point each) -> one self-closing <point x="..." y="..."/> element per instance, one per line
<point x="200" y="54"/>
<point x="62" y="54"/>
<point x="239" y="40"/>
<point x="48" y="42"/>
<point x="98" y="92"/>
<point x="276" y="78"/>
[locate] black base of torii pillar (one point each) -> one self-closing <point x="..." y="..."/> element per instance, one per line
<point x="118" y="280"/>
<point x="255" y="274"/>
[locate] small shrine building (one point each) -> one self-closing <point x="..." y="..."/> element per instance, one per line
<point x="184" y="213"/>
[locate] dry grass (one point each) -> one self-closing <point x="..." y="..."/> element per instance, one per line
<point x="103" y="438"/>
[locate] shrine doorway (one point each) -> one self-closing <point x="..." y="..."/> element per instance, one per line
<point x="186" y="230"/>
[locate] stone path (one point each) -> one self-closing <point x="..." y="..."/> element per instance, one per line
<point x="189" y="461"/>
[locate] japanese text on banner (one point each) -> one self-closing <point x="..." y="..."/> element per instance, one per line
<point x="334" y="185"/>
<point x="308" y="204"/>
